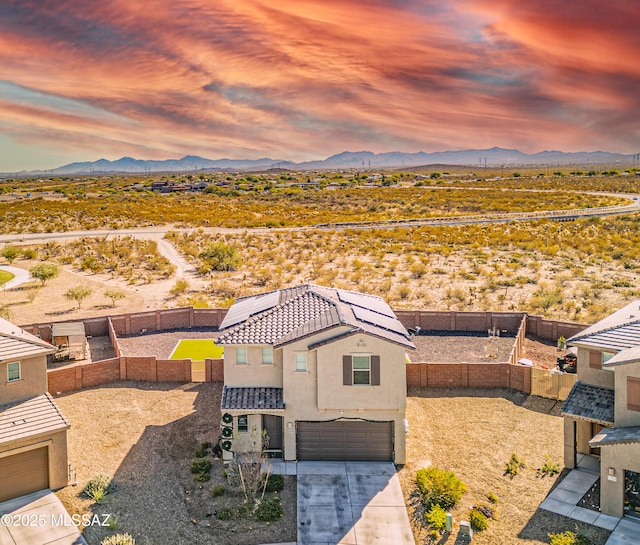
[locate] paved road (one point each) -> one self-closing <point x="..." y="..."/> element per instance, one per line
<point x="20" y="276"/>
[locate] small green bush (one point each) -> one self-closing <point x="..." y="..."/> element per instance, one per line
<point x="478" y="520"/>
<point x="436" y="518"/>
<point x="202" y="477"/>
<point x="269" y="510"/>
<point x="98" y="487"/>
<point x="439" y="487"/>
<point x="570" y="538"/>
<point x="275" y="483"/>
<point x="200" y="465"/>
<point x="202" y="450"/>
<point x="218" y="490"/>
<point x="225" y="514"/>
<point x="119" y="539"/>
<point x="492" y="497"/>
<point x="514" y="465"/>
<point x="548" y="467"/>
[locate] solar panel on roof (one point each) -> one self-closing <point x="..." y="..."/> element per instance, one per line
<point x="366" y="302"/>
<point x="241" y="310"/>
<point x="385" y="322"/>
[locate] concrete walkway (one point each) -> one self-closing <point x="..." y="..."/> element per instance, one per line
<point x="37" y="519"/>
<point x="351" y="503"/>
<point x="564" y="498"/>
<point x="20" y="277"/>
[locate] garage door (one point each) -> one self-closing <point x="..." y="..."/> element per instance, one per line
<point x="24" y="473"/>
<point x="345" y="440"/>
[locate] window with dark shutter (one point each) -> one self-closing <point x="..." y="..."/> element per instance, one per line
<point x="633" y="394"/>
<point x="346" y="371"/>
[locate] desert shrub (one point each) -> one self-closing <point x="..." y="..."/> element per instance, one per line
<point x="439" y="487"/>
<point x="218" y="490"/>
<point x="478" y="520"/>
<point x="119" y="539"/>
<point x="548" y="467"/>
<point x="275" y="483"/>
<point x="200" y="465"/>
<point x="219" y="256"/>
<point x="202" y="477"/>
<point x="29" y="253"/>
<point x="179" y="287"/>
<point x="225" y="513"/>
<point x="269" y="510"/>
<point x="569" y="538"/>
<point x="436" y="518"/>
<point x="202" y="450"/>
<point x="98" y="487"/>
<point x="492" y="497"/>
<point x="514" y="465"/>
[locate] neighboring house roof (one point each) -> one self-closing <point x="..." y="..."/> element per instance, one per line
<point x="589" y="402"/>
<point x="616" y="436"/>
<point x="282" y="316"/>
<point x="16" y="343"/>
<point x="252" y="398"/>
<point x="28" y="417"/>
<point x="619" y="331"/>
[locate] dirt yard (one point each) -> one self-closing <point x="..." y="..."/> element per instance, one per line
<point x="144" y="435"/>
<point x="161" y="344"/>
<point x="474" y="433"/>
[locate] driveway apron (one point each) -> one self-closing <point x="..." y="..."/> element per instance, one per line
<point x="351" y="503"/>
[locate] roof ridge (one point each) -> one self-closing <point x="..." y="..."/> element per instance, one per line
<point x="604" y="330"/>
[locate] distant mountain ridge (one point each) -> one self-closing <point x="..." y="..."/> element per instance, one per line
<point x="474" y="158"/>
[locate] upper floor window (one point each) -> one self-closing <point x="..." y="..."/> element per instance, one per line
<point x="267" y="355"/>
<point x="361" y="370"/>
<point x="597" y="358"/>
<point x="13" y="371"/>
<point x="301" y="361"/>
<point x="241" y="355"/>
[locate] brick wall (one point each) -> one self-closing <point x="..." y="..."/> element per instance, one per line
<point x="173" y="370"/>
<point x="141" y="368"/>
<point x="552" y="330"/>
<point x="460" y="321"/>
<point x="214" y="370"/>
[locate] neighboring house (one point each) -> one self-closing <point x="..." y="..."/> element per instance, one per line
<point x="33" y="432"/>
<point x="602" y="412"/>
<point x="322" y="371"/>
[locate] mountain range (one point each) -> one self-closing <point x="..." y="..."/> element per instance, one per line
<point x="475" y="158"/>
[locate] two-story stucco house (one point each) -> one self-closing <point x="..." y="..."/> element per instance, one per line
<point x="33" y="432"/>
<point x="602" y="412"/>
<point x="320" y="370"/>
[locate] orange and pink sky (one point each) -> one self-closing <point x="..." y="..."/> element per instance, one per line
<point x="304" y="79"/>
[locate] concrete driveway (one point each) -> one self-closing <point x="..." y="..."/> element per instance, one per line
<point x="37" y="519"/>
<point x="351" y="503"/>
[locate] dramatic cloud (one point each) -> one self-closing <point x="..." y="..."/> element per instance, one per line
<point x="305" y="79"/>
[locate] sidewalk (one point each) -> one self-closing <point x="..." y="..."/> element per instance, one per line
<point x="564" y="498"/>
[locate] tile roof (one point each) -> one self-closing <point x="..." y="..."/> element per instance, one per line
<point x="280" y="317"/>
<point x="28" y="417"/>
<point x="252" y="398"/>
<point x="619" y="331"/>
<point x="616" y="436"/>
<point x="628" y="355"/>
<point x="15" y="343"/>
<point x="588" y="402"/>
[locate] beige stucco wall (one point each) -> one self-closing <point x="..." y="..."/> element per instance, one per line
<point x="583" y="436"/>
<point x="319" y="395"/>
<point x="597" y="377"/>
<point x="569" y="442"/>
<point x="618" y="457"/>
<point x="623" y="416"/>
<point x="57" y="447"/>
<point x="33" y="380"/>
<point x="254" y="372"/>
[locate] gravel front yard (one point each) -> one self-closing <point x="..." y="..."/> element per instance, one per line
<point x="145" y="436"/>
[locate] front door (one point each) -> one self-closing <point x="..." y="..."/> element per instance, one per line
<point x="273" y="426"/>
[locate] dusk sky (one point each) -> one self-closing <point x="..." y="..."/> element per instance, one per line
<point x="303" y="79"/>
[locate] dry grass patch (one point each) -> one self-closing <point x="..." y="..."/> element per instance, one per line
<point x="474" y="433"/>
